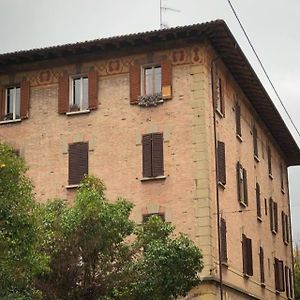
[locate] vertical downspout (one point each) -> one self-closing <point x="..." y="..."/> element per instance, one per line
<point x="216" y="168"/>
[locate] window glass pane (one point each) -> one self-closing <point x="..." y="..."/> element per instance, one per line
<point x="10" y="99"/>
<point x="157" y="76"/>
<point x="76" y="92"/>
<point x="17" y="104"/>
<point x="149" y="81"/>
<point x="85" y="93"/>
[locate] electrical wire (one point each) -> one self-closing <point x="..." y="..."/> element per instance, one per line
<point x="263" y="68"/>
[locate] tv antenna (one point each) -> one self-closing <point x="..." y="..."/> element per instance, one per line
<point x="164" y="9"/>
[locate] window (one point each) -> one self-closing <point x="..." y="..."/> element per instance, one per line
<point x="223" y="233"/>
<point x="153" y="164"/>
<point x="12" y="104"/>
<point x="151" y="83"/>
<point x="255" y="144"/>
<point x="288" y="282"/>
<point x="273" y="209"/>
<point x="219" y="94"/>
<point x="261" y="265"/>
<point x="269" y="161"/>
<point x="242" y="187"/>
<point x="247" y="256"/>
<point x="281" y="178"/>
<point x="285" y="228"/>
<point x="79" y="93"/>
<point x="221" y="163"/>
<point x="78" y="162"/>
<point x="279" y="275"/>
<point x="258" y="204"/>
<point x="147" y="216"/>
<point x="238" y="120"/>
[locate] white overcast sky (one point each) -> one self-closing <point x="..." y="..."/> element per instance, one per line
<point x="273" y="27"/>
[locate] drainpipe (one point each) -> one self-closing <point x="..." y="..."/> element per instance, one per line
<point x="216" y="168"/>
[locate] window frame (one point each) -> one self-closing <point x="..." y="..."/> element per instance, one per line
<point x="279" y="275"/>
<point x="258" y="202"/>
<point x="223" y="244"/>
<point x="242" y="184"/>
<point x="247" y="256"/>
<point x="220" y="96"/>
<point x="144" y="83"/>
<point x="273" y="209"/>
<point x="14" y="117"/>
<point x="72" y="94"/>
<point x="238" y="124"/>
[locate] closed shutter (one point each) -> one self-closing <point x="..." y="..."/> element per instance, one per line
<point x="135" y="83"/>
<point x="238" y="180"/>
<point x="157" y="155"/>
<point x="283" y="226"/>
<point x="261" y="264"/>
<point x="2" y="103"/>
<point x="147" y="155"/>
<point x="255" y="147"/>
<point x="249" y="257"/>
<point x="78" y="162"/>
<point x="25" y="97"/>
<point x="93" y="89"/>
<point x="238" y="119"/>
<point x="258" y="204"/>
<point x="223" y="241"/>
<point x="275" y="216"/>
<point x="221" y="163"/>
<point x="245" y="186"/>
<point x="166" y="79"/>
<point x="63" y="94"/>
<point x="271" y="212"/>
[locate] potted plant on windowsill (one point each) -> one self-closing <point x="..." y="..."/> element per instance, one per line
<point x="150" y="100"/>
<point x="8" y="117"/>
<point x="74" y="107"/>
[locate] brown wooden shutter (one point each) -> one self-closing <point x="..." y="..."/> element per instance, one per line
<point x="261" y="264"/>
<point x="244" y="253"/>
<point x="249" y="256"/>
<point x="166" y="79"/>
<point x="2" y="103"/>
<point x="222" y="96"/>
<point x="63" y="94"/>
<point x="287" y="228"/>
<point x="276" y="274"/>
<point x="275" y="216"/>
<point x="215" y="85"/>
<point x="283" y="226"/>
<point x="25" y="98"/>
<point x="238" y="119"/>
<point x="281" y="275"/>
<point x="258" y="203"/>
<point x="223" y="241"/>
<point x="135" y="83"/>
<point x="245" y="186"/>
<point x="255" y="146"/>
<point x="221" y="163"/>
<point x="93" y="89"/>
<point x="287" y="281"/>
<point x="269" y="160"/>
<point x="271" y="211"/>
<point x="238" y="180"/>
<point x="157" y="155"/>
<point x="78" y="162"/>
<point x="147" y="155"/>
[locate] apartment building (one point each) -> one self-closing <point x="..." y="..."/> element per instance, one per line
<point x="175" y="121"/>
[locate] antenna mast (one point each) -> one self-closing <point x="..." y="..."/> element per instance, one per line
<point x="164" y="8"/>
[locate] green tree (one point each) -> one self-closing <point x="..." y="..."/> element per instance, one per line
<point x="20" y="260"/>
<point x="97" y="252"/>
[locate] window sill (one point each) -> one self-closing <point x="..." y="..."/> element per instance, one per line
<point x="259" y="219"/>
<point x="72" y="186"/>
<point x="274" y="231"/>
<point x="262" y="284"/>
<point x="286" y="243"/>
<point x="71" y="113"/>
<point x="239" y="138"/>
<point x="10" y="121"/>
<point x="225" y="264"/>
<point x="221" y="185"/>
<point x="256" y="158"/>
<point x="246" y="276"/>
<point x="219" y="113"/>
<point x="271" y="176"/>
<point x="243" y="204"/>
<point x="153" y="178"/>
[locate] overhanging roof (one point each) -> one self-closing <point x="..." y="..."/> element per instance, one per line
<point x="219" y="35"/>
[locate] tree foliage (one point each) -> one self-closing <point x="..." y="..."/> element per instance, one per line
<point x="20" y="260"/>
<point x="97" y="252"/>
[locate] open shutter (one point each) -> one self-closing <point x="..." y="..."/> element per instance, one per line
<point x="166" y="79"/>
<point x="261" y="264"/>
<point x="249" y="256"/>
<point x="283" y="226"/>
<point x="157" y="155"/>
<point x="223" y="241"/>
<point x="222" y="96"/>
<point x="287" y="231"/>
<point x="63" y="93"/>
<point x="244" y="253"/>
<point x="93" y="89"/>
<point x="269" y="160"/>
<point x="215" y="83"/>
<point x="2" y="103"/>
<point x="275" y="216"/>
<point x="25" y="96"/>
<point x="221" y="163"/>
<point x="255" y="146"/>
<point x="135" y="83"/>
<point x="78" y="162"/>
<point x="281" y="275"/>
<point x="258" y="204"/>
<point x="147" y="155"/>
<point x="238" y="119"/>
<point x="238" y="180"/>
<point x="245" y="186"/>
<point x="271" y="210"/>
<point x="287" y="281"/>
